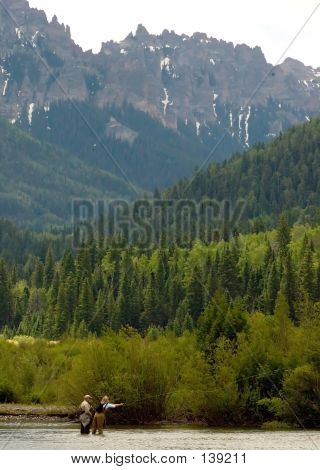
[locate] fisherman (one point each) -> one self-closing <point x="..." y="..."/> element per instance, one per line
<point x="98" y="420"/>
<point x="86" y="414"/>
<point x="107" y="405"/>
<point x="100" y="416"/>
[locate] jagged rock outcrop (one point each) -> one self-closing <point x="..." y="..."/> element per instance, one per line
<point x="197" y="82"/>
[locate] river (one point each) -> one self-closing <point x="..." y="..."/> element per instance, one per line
<point x="50" y="436"/>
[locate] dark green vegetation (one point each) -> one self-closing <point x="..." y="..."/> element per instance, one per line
<point x="133" y="139"/>
<point x="39" y="178"/>
<point x="275" y="178"/>
<point x="39" y="181"/>
<point x="76" y="150"/>
<point x="227" y="332"/>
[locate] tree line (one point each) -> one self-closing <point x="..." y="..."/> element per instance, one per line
<point x="169" y="287"/>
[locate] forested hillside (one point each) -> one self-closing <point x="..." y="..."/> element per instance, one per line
<point x="282" y="176"/>
<point x="97" y="288"/>
<point x="38" y="181"/>
<point x="117" y="137"/>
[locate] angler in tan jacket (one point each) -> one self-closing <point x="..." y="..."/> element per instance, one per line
<point x="86" y="414"/>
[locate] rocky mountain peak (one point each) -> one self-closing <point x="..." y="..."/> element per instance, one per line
<point x="141" y="32"/>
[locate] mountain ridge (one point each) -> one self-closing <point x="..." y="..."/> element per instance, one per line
<point x="199" y="80"/>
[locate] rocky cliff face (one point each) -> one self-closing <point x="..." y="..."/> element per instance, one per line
<point x="197" y="84"/>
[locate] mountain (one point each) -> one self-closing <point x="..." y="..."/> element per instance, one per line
<point x="124" y="141"/>
<point x="38" y="181"/>
<point x="209" y="93"/>
<point x="278" y="177"/>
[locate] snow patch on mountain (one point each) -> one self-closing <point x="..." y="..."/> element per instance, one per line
<point x="246" y="126"/>
<point x="165" y="64"/>
<point x="215" y="97"/>
<point x="19" y="33"/>
<point x="166" y="102"/>
<point x="240" y="123"/>
<point x="34" y="39"/>
<point x="30" y="112"/>
<point x="5" y="87"/>
<point x="231" y="122"/>
<point x="198" y="125"/>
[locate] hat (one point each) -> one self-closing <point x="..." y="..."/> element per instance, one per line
<point x="88" y="397"/>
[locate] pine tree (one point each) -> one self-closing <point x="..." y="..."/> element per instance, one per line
<point x="37" y="276"/>
<point x="14" y="276"/>
<point x="212" y="280"/>
<point x="175" y="293"/>
<point x="235" y="319"/>
<point x="195" y="294"/>
<point x="161" y="276"/>
<point x="245" y="278"/>
<point x="307" y="280"/>
<point x="228" y="272"/>
<point x="288" y="284"/>
<point x="55" y="288"/>
<point x="85" y="308"/>
<point x="187" y="323"/>
<point x="61" y="311"/>
<point x="271" y="289"/>
<point x="5" y="297"/>
<point x="48" y="269"/>
<point x="269" y="257"/>
<point x="124" y="300"/>
<point x="211" y="322"/>
<point x="149" y="315"/>
<point x="70" y="286"/>
<point x="283" y="237"/>
<point x="67" y="267"/>
<point x="137" y="299"/>
<point x="180" y="317"/>
<point x="49" y="329"/>
<point x="99" y="320"/>
<point x="282" y="323"/>
<point x="83" y="265"/>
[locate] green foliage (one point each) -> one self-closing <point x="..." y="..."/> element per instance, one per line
<point x="6" y="394"/>
<point x="226" y="332"/>
<point x="38" y="181"/>
<point x="300" y="404"/>
<point x="280" y="177"/>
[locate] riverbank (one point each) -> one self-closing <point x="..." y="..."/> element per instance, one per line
<point x="56" y="413"/>
<point x="14" y="412"/>
<point x="63" y="414"/>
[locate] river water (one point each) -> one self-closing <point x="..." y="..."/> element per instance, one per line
<point x="48" y="436"/>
